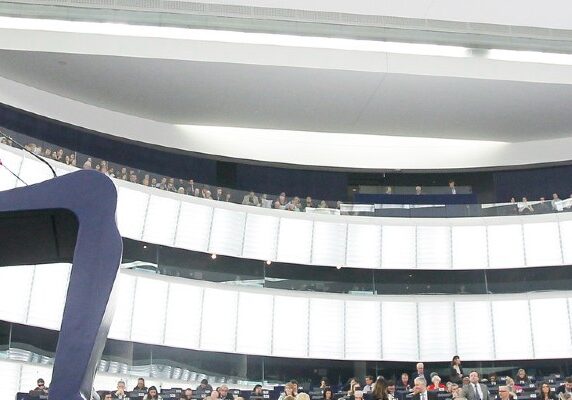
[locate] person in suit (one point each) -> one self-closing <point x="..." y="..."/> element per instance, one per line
<point x="420" y="372"/>
<point x="566" y="388"/>
<point x="420" y="390"/>
<point x="456" y="371"/>
<point x="475" y="390"/>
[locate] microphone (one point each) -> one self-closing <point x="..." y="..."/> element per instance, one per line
<point x="13" y="174"/>
<point x="28" y="151"/>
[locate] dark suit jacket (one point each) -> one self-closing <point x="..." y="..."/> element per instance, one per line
<point x="415" y="375"/>
<point x="469" y="392"/>
<point x="453" y="375"/>
<point x="431" y="395"/>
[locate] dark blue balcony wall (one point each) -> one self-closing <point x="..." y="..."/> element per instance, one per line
<point x="108" y="148"/>
<point x="533" y="183"/>
<point x="295" y="182"/>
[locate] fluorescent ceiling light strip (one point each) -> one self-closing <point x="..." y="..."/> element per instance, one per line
<point x="530" y="57"/>
<point x="231" y="37"/>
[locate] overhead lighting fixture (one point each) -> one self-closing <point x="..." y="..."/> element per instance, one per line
<point x="530" y="57"/>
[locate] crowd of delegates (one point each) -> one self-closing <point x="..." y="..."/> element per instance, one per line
<point x="542" y="206"/>
<point x="419" y="385"/>
<point x="176" y="185"/>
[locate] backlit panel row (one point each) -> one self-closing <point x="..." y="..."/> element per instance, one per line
<point x="187" y="314"/>
<point x="388" y="243"/>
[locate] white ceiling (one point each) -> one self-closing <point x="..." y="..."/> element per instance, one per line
<point x="278" y="97"/>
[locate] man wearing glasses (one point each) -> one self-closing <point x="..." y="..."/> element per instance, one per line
<point x="41" y="386"/>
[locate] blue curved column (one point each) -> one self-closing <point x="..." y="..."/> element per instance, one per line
<point x="88" y="311"/>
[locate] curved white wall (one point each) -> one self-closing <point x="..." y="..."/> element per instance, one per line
<point x="186" y="222"/>
<point x="329" y="326"/>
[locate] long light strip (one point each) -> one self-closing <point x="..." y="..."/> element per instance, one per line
<point x="276" y="40"/>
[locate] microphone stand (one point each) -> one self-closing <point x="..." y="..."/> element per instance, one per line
<point x="28" y="151"/>
<point x="13" y="174"/>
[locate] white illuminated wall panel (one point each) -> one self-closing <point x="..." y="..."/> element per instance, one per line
<point x="48" y="296"/>
<point x="260" y="237"/>
<point x="399" y="331"/>
<point x="542" y="244"/>
<point x="15" y="292"/>
<point x="254" y="330"/>
<point x="436" y="330"/>
<point x="326" y="339"/>
<point x="550" y="328"/>
<point x="566" y="241"/>
<point x="290" y="328"/>
<point x="329" y="244"/>
<point x="33" y="171"/>
<point x="364" y="246"/>
<point x="124" y="289"/>
<point x="227" y="232"/>
<point x="363" y="330"/>
<point x="218" y="329"/>
<point x="148" y="320"/>
<point x="398" y="247"/>
<point x="295" y="241"/>
<point x="506" y="246"/>
<point x="30" y="374"/>
<point x="511" y="320"/>
<point x="161" y="220"/>
<point x="131" y="210"/>
<point x="183" y="320"/>
<point x="10" y="379"/>
<point x="474" y="330"/>
<point x="193" y="229"/>
<point x="469" y="247"/>
<point x="12" y="162"/>
<point x="433" y="247"/>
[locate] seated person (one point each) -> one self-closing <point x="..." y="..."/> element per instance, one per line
<point x="152" y="394"/>
<point x="522" y="377"/>
<point x="224" y="393"/>
<point x="403" y="383"/>
<point x="504" y="393"/>
<point x="257" y="391"/>
<point x="566" y="387"/>
<point x="390" y="390"/>
<point x="121" y="394"/>
<point x="250" y="200"/>
<point x="140" y="385"/>
<point x="41" y="386"/>
<point x="524" y="207"/>
<point x="203" y="388"/>
<point x="188" y="395"/>
<point x="545" y="392"/>
<point x="107" y="396"/>
<point x="436" y="385"/>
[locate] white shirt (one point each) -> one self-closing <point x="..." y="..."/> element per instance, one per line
<point x="477" y="388"/>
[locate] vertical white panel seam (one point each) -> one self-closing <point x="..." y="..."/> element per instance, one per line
<point x="344" y="331"/>
<point x="272" y="326"/>
<point x="418" y="331"/>
<point x="560" y="242"/>
<point x="177" y="224"/>
<point x="201" y="318"/>
<point x="213" y="210"/>
<point x="308" y="328"/>
<point x="492" y="323"/>
<point x="530" y="326"/>
<point x="312" y="246"/>
<point x="380" y="247"/>
<point x="277" y="241"/>
<point x="244" y="234"/>
<point x="236" y="320"/>
<point x="27" y="316"/>
<point x="166" y="313"/>
<point x="488" y="266"/>
<point x="133" y="308"/>
<point x="523" y="243"/>
<point x="346" y="251"/>
<point x="380" y="330"/>
<point x="145" y="216"/>
<point x="455" y="325"/>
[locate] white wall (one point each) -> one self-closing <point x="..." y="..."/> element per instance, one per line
<point x="330" y="326"/>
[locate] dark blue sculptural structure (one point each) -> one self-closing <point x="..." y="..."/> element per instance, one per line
<point x="69" y="219"/>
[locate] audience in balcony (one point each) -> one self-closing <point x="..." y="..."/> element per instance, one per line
<point x="140" y="385"/>
<point x="420" y="372"/>
<point x="524" y="207"/>
<point x="436" y="383"/>
<point x="521" y="377"/>
<point x="121" y="393"/>
<point x="225" y="394"/>
<point x="404" y="383"/>
<point x="203" y="388"/>
<point x="456" y="371"/>
<point x="152" y="394"/>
